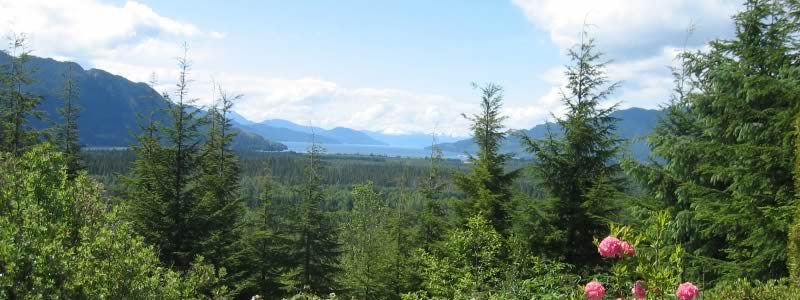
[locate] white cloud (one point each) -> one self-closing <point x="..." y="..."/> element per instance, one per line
<point x="327" y="104"/>
<point x="641" y="37"/>
<point x="630" y="25"/>
<point x="136" y="42"/>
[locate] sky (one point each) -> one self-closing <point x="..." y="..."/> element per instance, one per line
<point x="390" y="66"/>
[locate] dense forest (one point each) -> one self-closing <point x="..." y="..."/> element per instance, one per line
<point x="181" y="214"/>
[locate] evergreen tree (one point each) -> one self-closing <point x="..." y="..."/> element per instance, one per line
<point x="579" y="162"/>
<point x="265" y="244"/>
<point x="469" y="265"/>
<point x="315" y="253"/>
<point x="219" y="187"/>
<point x="488" y="186"/>
<point x="67" y="132"/>
<point x="432" y="219"/>
<point x="369" y="246"/>
<point x="162" y="190"/>
<point x="793" y="247"/>
<point x="19" y="106"/>
<point x="730" y="161"/>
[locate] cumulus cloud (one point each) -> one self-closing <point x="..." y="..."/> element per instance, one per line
<point x="641" y="37"/>
<point x="138" y="43"/>
<point x="327" y="104"/>
<point x="638" y="27"/>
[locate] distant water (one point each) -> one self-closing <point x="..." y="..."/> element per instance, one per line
<point x="391" y="151"/>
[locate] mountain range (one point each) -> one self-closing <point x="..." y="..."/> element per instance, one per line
<point x="633" y="126"/>
<point x="112" y="105"/>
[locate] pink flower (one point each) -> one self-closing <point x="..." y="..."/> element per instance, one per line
<point x="594" y="290"/>
<point x="687" y="291"/>
<point x="638" y="290"/>
<point x="627" y="249"/>
<point x="609" y="247"/>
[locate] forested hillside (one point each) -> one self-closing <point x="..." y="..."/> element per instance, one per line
<point x="112" y="107"/>
<point x="712" y="214"/>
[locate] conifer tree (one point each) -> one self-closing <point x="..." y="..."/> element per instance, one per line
<point x="315" y="243"/>
<point x="488" y="185"/>
<point x="432" y="219"/>
<point x="730" y="163"/>
<point x="579" y="162"/>
<point x="368" y="246"/>
<point x="265" y="245"/>
<point x="67" y="132"/>
<point x="219" y="186"/>
<point x="18" y="105"/>
<point x="793" y="247"/>
<point x="162" y="190"/>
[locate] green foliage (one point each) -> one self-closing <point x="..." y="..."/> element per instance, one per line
<point x="577" y="167"/>
<point x="467" y="266"/>
<point x="752" y="290"/>
<point x="487" y="186"/>
<point x="163" y="193"/>
<point x="220" y="206"/>
<point x="57" y="240"/>
<point x="368" y="246"/>
<point x="726" y="148"/>
<point x="17" y="106"/>
<point x="314" y="254"/>
<point x="793" y="246"/>
<point x="67" y="137"/>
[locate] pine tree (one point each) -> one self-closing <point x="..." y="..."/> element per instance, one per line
<point x="488" y="186"/>
<point x="18" y="105"/>
<point x="315" y="253"/>
<point x="579" y="162"/>
<point x="162" y="190"/>
<point x="67" y="132"/>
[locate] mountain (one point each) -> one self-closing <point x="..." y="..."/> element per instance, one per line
<point x="351" y="136"/>
<point x="287" y="131"/>
<point x="634" y="125"/>
<point x="341" y="135"/>
<point x="288" y="135"/>
<point x="417" y="140"/>
<point x="110" y="105"/>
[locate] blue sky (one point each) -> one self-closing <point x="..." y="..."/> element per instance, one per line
<point x="392" y="66"/>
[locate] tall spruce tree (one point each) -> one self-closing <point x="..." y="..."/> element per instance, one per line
<point x="220" y="204"/>
<point x="162" y="190"/>
<point x="67" y="132"/>
<point x="731" y="165"/>
<point x="18" y="105"/>
<point x="577" y="165"/>
<point x="488" y="186"/>
<point x="219" y="185"/>
<point x="662" y="181"/>
<point x="316" y="250"/>
<point x="265" y="245"/>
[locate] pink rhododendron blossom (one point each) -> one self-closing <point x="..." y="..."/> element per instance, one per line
<point x="687" y="291"/>
<point x="638" y="290"/>
<point x="627" y="249"/>
<point x="594" y="290"/>
<point x="609" y="247"/>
